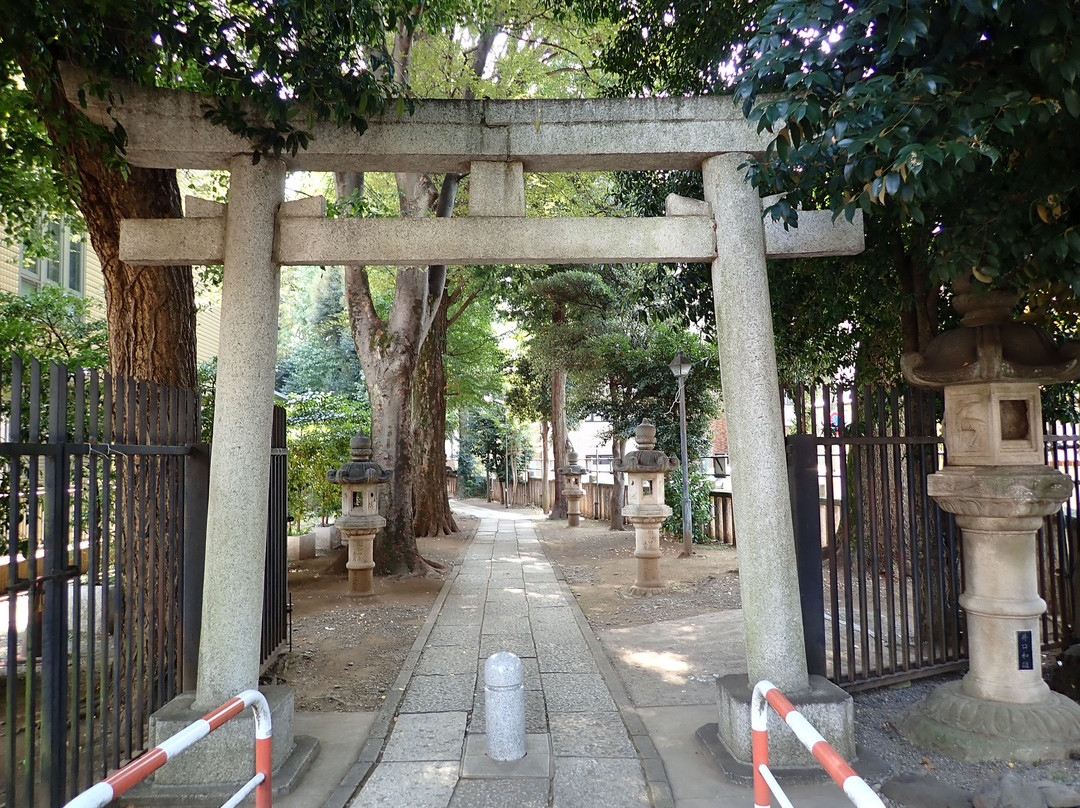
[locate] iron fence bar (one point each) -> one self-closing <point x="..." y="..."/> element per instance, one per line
<point x="54" y="662"/>
<point x="33" y="637"/>
<point x="74" y="700"/>
<point x="14" y="471"/>
<point x="859" y="483"/>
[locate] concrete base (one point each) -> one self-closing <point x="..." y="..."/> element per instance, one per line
<point x="298" y="548"/>
<point x="226" y="755"/>
<point x="535" y="763"/>
<point x="868" y="766"/>
<point x="327" y="538"/>
<point x="212" y="795"/>
<point x="828" y="708"/>
<point x="361" y="583"/>
<point x="972" y="729"/>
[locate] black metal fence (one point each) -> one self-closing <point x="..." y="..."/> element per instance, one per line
<point x="889" y="558"/>
<point x="102" y="507"/>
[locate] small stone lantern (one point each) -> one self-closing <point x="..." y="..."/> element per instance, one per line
<point x="645" y="469"/>
<point x="359" y="480"/>
<point x="572" y="490"/>
<point x="998" y="486"/>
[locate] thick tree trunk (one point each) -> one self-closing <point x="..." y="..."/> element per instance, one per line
<point x="618" y="445"/>
<point x="150" y="310"/>
<point x="559" y="440"/>
<point x="432" y="503"/>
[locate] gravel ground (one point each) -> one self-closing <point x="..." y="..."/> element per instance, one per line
<point x="875" y="712"/>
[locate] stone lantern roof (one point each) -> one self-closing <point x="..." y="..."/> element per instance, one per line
<point x="572" y="466"/>
<point x="645" y="458"/>
<point x="361" y="469"/>
<point x="991" y="347"/>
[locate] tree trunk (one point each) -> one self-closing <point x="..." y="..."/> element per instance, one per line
<point x="150" y="310"/>
<point x="559" y="440"/>
<point x="433" y="514"/>
<point x="618" y="445"/>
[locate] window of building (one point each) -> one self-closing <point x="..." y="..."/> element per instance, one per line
<point x="64" y="266"/>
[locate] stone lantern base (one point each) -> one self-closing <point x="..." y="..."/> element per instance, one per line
<point x="968" y="728"/>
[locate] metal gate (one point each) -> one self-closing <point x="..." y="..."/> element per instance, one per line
<point x="888" y="559"/>
<point x="102" y="527"/>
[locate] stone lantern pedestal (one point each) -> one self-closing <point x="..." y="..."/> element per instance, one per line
<point x="997" y="484"/>
<point x="645" y="469"/>
<point x="360" y="520"/>
<point x="572" y="490"/>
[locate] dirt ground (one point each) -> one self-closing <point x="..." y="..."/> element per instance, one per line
<point x="346" y="652"/>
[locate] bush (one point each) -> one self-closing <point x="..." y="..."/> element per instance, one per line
<point x="700" y="503"/>
<point x="320" y="427"/>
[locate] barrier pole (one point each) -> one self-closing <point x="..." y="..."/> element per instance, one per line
<point x="107" y="790"/>
<point x="765" y="695"/>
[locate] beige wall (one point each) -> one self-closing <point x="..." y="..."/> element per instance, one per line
<point x="206" y="330"/>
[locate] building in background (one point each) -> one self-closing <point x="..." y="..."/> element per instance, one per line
<point x="74" y="266"/>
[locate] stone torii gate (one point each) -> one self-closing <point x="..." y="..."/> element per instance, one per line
<point x="494" y="142"/>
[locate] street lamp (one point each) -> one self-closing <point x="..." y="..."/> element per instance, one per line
<point x="680" y="367"/>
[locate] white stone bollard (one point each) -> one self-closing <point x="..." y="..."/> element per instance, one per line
<point x="504" y="701"/>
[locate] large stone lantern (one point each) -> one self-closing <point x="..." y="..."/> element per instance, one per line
<point x="996" y="482"/>
<point x="359" y="480"/>
<point x="645" y="469"/>
<point x="573" y="474"/>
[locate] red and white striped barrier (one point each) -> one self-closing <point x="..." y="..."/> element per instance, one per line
<point x="766" y="694"/>
<point x="138" y="770"/>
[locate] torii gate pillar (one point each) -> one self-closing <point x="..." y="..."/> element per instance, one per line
<point x="767" y="571"/>
<point x="236" y="514"/>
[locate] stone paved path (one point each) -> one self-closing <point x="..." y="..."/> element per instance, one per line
<point x="505" y="597"/>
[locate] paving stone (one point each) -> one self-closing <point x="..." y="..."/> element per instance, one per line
<point x="517" y="643"/>
<point x="924" y="791"/>
<point x="1008" y="791"/>
<point x="530" y="668"/>
<point x="576" y="693"/>
<point x="461" y="615"/>
<point x="610" y="782"/>
<point x="418" y="785"/>
<point x="528" y="792"/>
<point x="517" y="608"/>
<point x="535" y="713"/>
<point x="546" y="600"/>
<point x="1057" y="795"/>
<point x="427" y="736"/>
<point x="439" y="694"/>
<point x="454" y="635"/>
<point x="568" y="657"/>
<point x="502" y="623"/>
<point x="445" y="659"/>
<point x="554" y="621"/>
<point x="592" y="735"/>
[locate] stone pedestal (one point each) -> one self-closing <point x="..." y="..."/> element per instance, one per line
<point x="645" y="469"/>
<point x="1000" y="490"/>
<point x="360" y="521"/>
<point x="360" y="532"/>
<point x="572" y="490"/>
<point x="828" y="708"/>
<point x="647" y="552"/>
<point x="211" y="771"/>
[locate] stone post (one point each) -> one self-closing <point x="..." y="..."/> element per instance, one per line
<point x="573" y="490"/>
<point x="768" y="574"/>
<point x="504" y="706"/>
<point x="360" y="520"/>
<point x="645" y="469"/>
<point x="243" y="416"/>
<point x="997" y="484"/>
<point x="229" y="645"/>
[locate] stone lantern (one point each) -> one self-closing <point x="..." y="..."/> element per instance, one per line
<point x="572" y="490"/>
<point x="996" y="483"/>
<point x="645" y="469"/>
<point x="359" y="480"/>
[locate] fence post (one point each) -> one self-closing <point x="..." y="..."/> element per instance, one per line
<point x="54" y="583"/>
<point x="196" y="492"/>
<point x="806" y="518"/>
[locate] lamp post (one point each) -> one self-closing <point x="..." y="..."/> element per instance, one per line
<point x="680" y="367"/>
